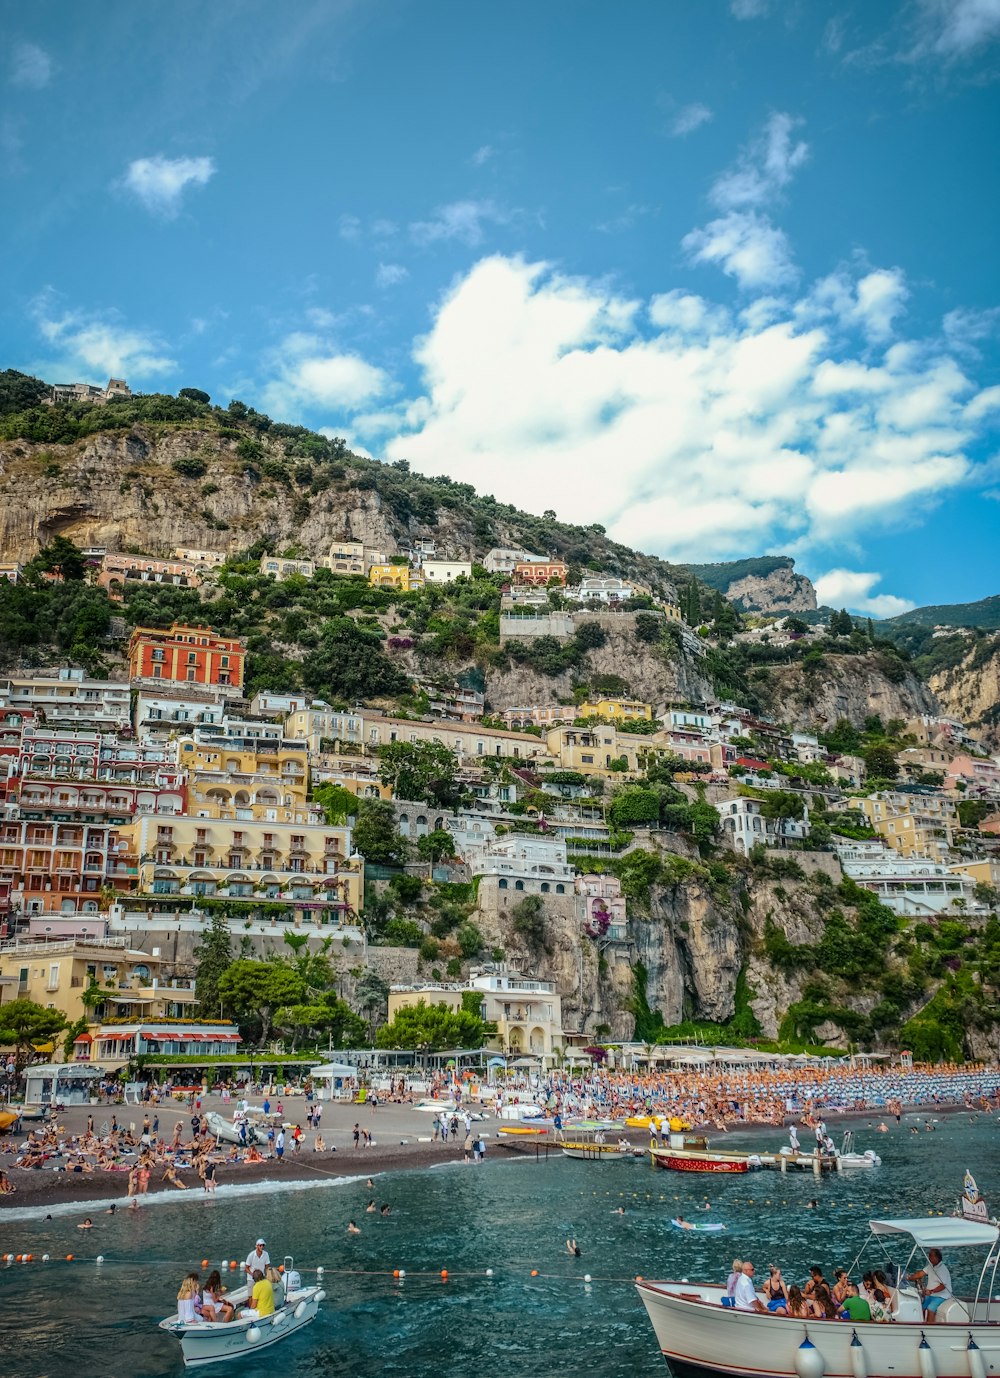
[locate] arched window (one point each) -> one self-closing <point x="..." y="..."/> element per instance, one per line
<point x="545" y="887"/>
<point x="502" y="884"/>
<point x="560" y="889"/>
<point x="519" y="885"/>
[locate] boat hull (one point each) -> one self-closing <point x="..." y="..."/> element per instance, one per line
<point x="213" y="1344"/>
<point x="699" y="1338"/>
<point x="596" y="1152"/>
<point x="674" y="1162"/>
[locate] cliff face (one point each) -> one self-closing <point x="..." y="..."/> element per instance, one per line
<point x="780" y="592"/>
<point x="970" y="691"/>
<point x="851" y="687"/>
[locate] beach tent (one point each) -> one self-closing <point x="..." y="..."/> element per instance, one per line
<point x="331" y="1073"/>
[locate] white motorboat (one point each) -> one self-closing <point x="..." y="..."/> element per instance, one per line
<point x="211" y="1342"/>
<point x="844" y="1158"/>
<point x="701" y="1334"/>
<point x="240" y="1131"/>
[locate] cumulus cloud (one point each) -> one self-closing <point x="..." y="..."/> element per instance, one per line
<point x="94" y="347"/>
<point x="871" y="302"/>
<point x="389" y="274"/>
<point x="30" y="66"/>
<point x="159" y="183"/>
<point x="464" y="221"/>
<point x="685" y="428"/>
<point x="847" y="588"/>
<point x="310" y="374"/>
<point x="747" y="247"/>
<point x="956" y="28"/>
<point x="764" y="168"/>
<point x="690" y="118"/>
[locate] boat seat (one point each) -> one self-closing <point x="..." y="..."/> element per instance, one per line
<point x="908" y="1305"/>
<point x="954" y="1310"/>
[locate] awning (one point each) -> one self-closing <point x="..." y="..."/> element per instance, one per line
<point x="84" y="1038"/>
<point x="941" y="1232"/>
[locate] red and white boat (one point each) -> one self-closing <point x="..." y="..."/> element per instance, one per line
<point x="701" y="1337"/>
<point x="691" y="1153"/>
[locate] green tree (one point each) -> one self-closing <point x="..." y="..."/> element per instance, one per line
<point x="61" y="556"/>
<point x="350" y="665"/>
<point x="880" y="762"/>
<point x="213" y="955"/>
<point x="20" y="391"/>
<point x="255" y="990"/>
<point x="634" y="807"/>
<point x="781" y="803"/>
<point x="73" y="1032"/>
<point x="424" y="772"/>
<point x="796" y="625"/>
<point x="528" y="920"/>
<point x="195" y="395"/>
<point x="338" y="803"/>
<point x="371" y="995"/>
<point x="23" y="1023"/>
<point x="431" y="1028"/>
<point x="436" y="845"/>
<point x="648" y="627"/>
<point x="470" y="940"/>
<point x="376" y="834"/>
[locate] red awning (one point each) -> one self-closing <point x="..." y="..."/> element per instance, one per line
<point x="84" y="1038"/>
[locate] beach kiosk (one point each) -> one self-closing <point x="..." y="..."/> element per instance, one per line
<point x="330" y="1079"/>
<point x="60" y="1083"/>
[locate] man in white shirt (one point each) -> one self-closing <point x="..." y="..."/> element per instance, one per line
<point x="257" y="1258"/>
<point x="935" y="1283"/>
<point x="745" y="1294"/>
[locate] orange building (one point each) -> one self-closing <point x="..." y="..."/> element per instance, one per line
<point x="539" y="572"/>
<point x="187" y="655"/>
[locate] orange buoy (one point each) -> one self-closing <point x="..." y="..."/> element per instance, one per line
<point x="69" y="1258"/>
<point x="534" y="1272"/>
<point x="444" y="1272"/>
<point x="638" y="1277"/>
<point x="395" y="1272"/>
<point x="28" y="1257"/>
<point x="204" y="1262"/>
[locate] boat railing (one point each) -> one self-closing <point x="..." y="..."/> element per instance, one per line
<point x="987" y="1294"/>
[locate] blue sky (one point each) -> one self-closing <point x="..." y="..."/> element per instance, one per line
<point x="719" y="274"/>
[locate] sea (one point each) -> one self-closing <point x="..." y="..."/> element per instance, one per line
<point x="489" y="1290"/>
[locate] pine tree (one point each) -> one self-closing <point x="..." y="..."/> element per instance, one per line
<point x="214" y="955"/>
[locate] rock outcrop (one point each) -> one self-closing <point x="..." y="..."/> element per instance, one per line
<point x="970" y="691"/>
<point x="767" y="584"/>
<point x="851" y="687"/>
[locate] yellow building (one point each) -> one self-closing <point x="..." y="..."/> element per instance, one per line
<point x="402" y="577"/>
<point x="616" y="708"/>
<point x="591" y="750"/>
<point x="306" y="867"/>
<point x="55" y="974"/>
<point x="672" y="612"/>
<point x="920" y="825"/>
<point x="269" y="782"/>
<point x="527" y="1013"/>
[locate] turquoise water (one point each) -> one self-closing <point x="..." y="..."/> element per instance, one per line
<point x="74" y="1320"/>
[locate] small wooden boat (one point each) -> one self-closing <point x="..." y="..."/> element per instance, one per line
<point x="212" y="1342"/>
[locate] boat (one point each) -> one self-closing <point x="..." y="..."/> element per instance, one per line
<point x="707" y="1227"/>
<point x="691" y="1153"/>
<point x="212" y="1342"/>
<point x="700" y="1334"/>
<point x="241" y="1131"/>
<point x="586" y="1139"/>
<point x="845" y="1158"/>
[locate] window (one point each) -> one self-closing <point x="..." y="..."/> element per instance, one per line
<point x="501" y="885"/>
<point x="519" y="885"/>
<point x="560" y="889"/>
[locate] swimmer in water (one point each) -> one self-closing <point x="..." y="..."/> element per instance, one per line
<point x="352" y="1228"/>
<point x="618" y="1210"/>
<point x="812" y="1205"/>
<point x="111" y="1210"/>
<point x="88" y="1224"/>
<point x="370" y="1208"/>
<point x="573" y="1248"/>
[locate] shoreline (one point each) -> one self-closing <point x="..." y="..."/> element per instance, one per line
<point x="37" y="1188"/>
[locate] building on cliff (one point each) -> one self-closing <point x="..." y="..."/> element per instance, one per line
<point x="917" y="823"/>
<point x="744" y="826"/>
<point x="187" y="655"/>
<point x="910" y="887"/>
<point x="69" y="698"/>
<point x="62" y="394"/>
<point x="527" y="1013"/>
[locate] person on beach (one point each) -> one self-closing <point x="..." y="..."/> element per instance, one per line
<point x="171" y="1176"/>
<point x="209" y="1177"/>
<point x="357" y="1136"/>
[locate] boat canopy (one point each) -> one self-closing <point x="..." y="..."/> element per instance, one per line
<point x="941" y="1232"/>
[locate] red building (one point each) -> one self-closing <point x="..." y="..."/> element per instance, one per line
<point x="187" y="655"/>
<point x="540" y="572"/>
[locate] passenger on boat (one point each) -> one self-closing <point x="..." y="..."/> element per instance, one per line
<point x="775" y="1291"/>
<point x="214" y="1306"/>
<point x="745" y="1295"/>
<point x="187" y="1299"/>
<point x="934" y="1282"/>
<point x="261" y="1298"/>
<point x="734" y="1277"/>
<point x="824" y="1305"/>
<point x="816" y="1279"/>
<point x="854" y="1306"/>
<point x="840" y="1286"/>
<point x="277" y="1285"/>
<point x="797" y="1305"/>
<point x="257" y="1260"/>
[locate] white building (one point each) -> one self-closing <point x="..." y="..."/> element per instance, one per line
<point x="601" y="589"/>
<point x="161" y="713"/>
<point x="69" y="698"/>
<point x="502" y="559"/>
<point x="536" y="865"/>
<point x="265" y="704"/>
<point x="909" y="886"/>
<point x="446" y="571"/>
<point x="282" y="567"/>
<point x="744" y="826"/>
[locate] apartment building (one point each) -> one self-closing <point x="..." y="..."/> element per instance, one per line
<point x="118" y="571"/>
<point x="161" y="713"/>
<point x="604" y="589"/>
<point x="470" y="742"/>
<point x="211" y="559"/>
<point x="615" y="708"/>
<point x="62" y="394"/>
<point x="282" y="567"/>
<point x="236" y="780"/>
<point x="593" y="750"/>
<point x="307" y="867"/>
<point x="187" y="655"/>
<point x="910" y="886"/>
<point x="69" y="698"/>
<point x="605" y="908"/>
<point x="541" y="572"/>
<point x="505" y="559"/>
<point x="744" y="826"/>
<point x="115" y="1045"/>
<point x="56" y="973"/>
<point x="389" y="576"/>
<point x="346" y="557"/>
<point x="326" y="729"/>
<point x="60" y="861"/>
<point x="539" y="715"/>
<point x="445" y="571"/>
<point x="917" y="824"/>
<point x="536" y="865"/>
<point x="527" y="1013"/>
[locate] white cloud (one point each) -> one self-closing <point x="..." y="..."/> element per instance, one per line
<point x="98" y="346"/>
<point x="30" y="66"/>
<point x="749" y="9"/>
<point x="847" y="588"/>
<point x="685" y="428"/>
<point x="483" y="155"/>
<point x="310" y="374"/>
<point x="690" y="118"/>
<point x="965" y="330"/>
<point x="764" y="168"/>
<point x="349" y="227"/>
<point x="461" y="220"/>
<point x="872" y="302"/>
<point x="159" y="183"/>
<point x="389" y="274"/>
<point x="746" y="246"/>
<point x="625" y="219"/>
<point x="956" y="28"/>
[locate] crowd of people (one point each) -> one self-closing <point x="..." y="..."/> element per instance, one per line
<point x="208" y="1303"/>
<point x="871" y="1299"/>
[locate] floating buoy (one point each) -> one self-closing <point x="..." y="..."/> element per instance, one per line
<point x="402" y="1272"/>
<point x="319" y="1272"/>
<point x="808" y="1361"/>
<point x="204" y="1262"/>
<point x="925" y="1358"/>
<point x="45" y="1258"/>
<point x="859" y="1364"/>
<point x="586" y="1277"/>
<point x="232" y="1263"/>
<point x="99" y="1258"/>
<point x="489" y="1272"/>
<point x="395" y="1272"/>
<point x="974" y="1359"/>
<point x="69" y="1258"/>
<point x="253" y="1334"/>
<point x="444" y="1274"/>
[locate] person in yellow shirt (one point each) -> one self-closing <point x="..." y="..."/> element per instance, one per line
<point x="262" y="1296"/>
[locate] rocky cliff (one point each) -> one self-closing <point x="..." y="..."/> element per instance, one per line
<point x="768" y="584"/>
<point x="842" y="686"/>
<point x="970" y="690"/>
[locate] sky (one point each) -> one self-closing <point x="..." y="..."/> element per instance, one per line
<point x="720" y="275"/>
